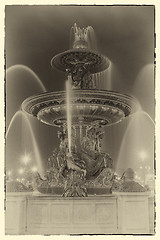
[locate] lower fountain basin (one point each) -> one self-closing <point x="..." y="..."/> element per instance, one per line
<point x="91" y="107"/>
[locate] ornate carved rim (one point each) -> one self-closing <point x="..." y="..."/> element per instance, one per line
<point x="93" y="61"/>
<point x="107" y="107"/>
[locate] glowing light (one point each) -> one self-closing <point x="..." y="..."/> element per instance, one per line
<point x="26" y="159"/>
<point x="142" y="155"/>
<point x="34" y="169"/>
<point x="9" y="173"/>
<point x="21" y="171"/>
<point x="141" y="167"/>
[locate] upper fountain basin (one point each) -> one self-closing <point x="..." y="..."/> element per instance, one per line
<point x="92" y="61"/>
<point x="88" y="107"/>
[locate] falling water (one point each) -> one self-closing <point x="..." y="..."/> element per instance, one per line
<point x="103" y="80"/>
<point x="138" y="137"/>
<point x="91" y="38"/>
<point x="21" y="82"/>
<point x="35" y="146"/>
<point x="68" y="109"/>
<point x="144" y="88"/>
<point x="108" y="77"/>
<point x="23" y="67"/>
<point x="148" y="116"/>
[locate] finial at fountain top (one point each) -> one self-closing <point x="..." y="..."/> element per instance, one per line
<point x="82" y="58"/>
<point x="80" y="37"/>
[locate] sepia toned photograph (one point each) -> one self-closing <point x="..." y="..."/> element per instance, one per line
<point x="80" y="120"/>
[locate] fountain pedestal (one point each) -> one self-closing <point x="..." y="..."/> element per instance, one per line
<point x="119" y="213"/>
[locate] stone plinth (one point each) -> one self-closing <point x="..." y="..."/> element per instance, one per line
<point x="130" y="213"/>
<point x="15" y="215"/>
<point x="135" y="213"/>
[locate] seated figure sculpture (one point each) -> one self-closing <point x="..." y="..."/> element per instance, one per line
<point x="89" y="157"/>
<point x="95" y="160"/>
<point x="74" y="170"/>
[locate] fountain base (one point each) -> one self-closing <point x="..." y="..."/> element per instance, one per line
<point x="119" y="213"/>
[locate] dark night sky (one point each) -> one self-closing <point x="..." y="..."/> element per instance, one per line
<point x="34" y="34"/>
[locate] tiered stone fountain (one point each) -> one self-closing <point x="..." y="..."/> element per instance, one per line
<point x="79" y="167"/>
<point x="78" y="170"/>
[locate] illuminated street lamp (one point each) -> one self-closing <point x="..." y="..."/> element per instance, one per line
<point x="21" y="171"/>
<point x="143" y="156"/>
<point x="26" y="159"/>
<point x="34" y="169"/>
<point x="9" y="173"/>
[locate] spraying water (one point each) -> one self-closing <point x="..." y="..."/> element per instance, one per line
<point x="23" y="67"/>
<point x="91" y="38"/>
<point x="35" y="146"/>
<point x="138" y="137"/>
<point x="86" y="35"/>
<point x="148" y="116"/>
<point x="21" y="82"/>
<point x="68" y="109"/>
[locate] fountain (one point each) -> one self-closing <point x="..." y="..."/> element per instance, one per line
<point x="79" y="167"/>
<point x="80" y="193"/>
